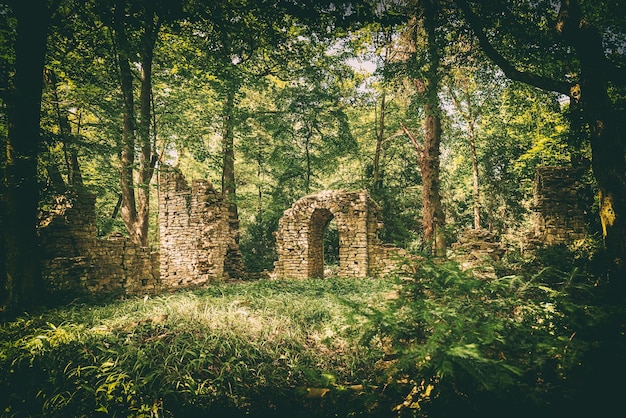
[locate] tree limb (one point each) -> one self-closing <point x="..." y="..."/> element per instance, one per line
<point x="544" y="83"/>
<point x="416" y="145"/>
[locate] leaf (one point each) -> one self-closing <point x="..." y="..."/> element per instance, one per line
<point x="316" y="393"/>
<point x="469" y="351"/>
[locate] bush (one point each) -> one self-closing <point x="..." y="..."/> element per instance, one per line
<point x="458" y="345"/>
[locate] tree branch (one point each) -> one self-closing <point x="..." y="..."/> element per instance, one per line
<point x="544" y="83"/>
<point x="416" y="145"/>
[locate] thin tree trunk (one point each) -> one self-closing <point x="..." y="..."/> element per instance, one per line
<point x="70" y="152"/>
<point x="380" y="128"/>
<point x="229" y="189"/>
<point x="380" y="133"/>
<point x="22" y="286"/>
<point x="146" y="166"/>
<point x="127" y="153"/>
<point x="472" y="142"/>
<point x="307" y="149"/>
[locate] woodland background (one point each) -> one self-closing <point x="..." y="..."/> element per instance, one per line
<point x="442" y="110"/>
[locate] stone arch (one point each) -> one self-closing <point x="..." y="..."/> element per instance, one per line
<point x="299" y="239"/>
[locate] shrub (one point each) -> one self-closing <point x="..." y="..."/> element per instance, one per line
<point x="458" y="345"/>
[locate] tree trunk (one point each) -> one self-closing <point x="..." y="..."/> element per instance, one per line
<point x="380" y="134"/>
<point x="70" y="152"/>
<point x="22" y="285"/>
<point x="127" y="152"/>
<point x="146" y="160"/>
<point x="434" y="217"/>
<point x="229" y="189"/>
<point x="472" y="142"/>
<point x="470" y="117"/>
<point x="135" y="207"/>
<point x="608" y="142"/>
<point x="307" y="153"/>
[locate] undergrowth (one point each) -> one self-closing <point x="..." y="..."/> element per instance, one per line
<point x="433" y="341"/>
<point x="260" y="348"/>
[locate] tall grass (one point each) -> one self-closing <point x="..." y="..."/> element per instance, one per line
<point x="247" y="348"/>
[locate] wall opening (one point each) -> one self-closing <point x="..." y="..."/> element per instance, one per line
<point x="317" y="225"/>
<point x="331" y="248"/>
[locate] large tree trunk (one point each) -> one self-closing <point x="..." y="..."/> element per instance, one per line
<point x="607" y="137"/>
<point x="434" y="217"/>
<point x="22" y="286"/>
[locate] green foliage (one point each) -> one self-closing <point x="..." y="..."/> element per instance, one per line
<point x="249" y="348"/>
<point x="457" y="344"/>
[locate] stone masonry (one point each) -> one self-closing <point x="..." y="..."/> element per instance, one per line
<point x="75" y="261"/>
<point x="197" y="244"/>
<point x="299" y="239"/>
<point x="559" y="200"/>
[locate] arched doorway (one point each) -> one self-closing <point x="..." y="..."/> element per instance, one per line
<point x="300" y="235"/>
<point x="320" y="218"/>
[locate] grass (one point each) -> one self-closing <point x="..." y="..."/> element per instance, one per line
<point x="445" y="343"/>
<point x="251" y="348"/>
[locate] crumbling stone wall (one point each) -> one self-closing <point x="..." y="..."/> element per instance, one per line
<point x="197" y="244"/>
<point x="299" y="239"/>
<point x="559" y="205"/>
<point x="75" y="261"/>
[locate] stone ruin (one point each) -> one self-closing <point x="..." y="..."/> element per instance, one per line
<point x="196" y="241"/>
<point x="559" y="206"/>
<point x="299" y="239"/>
<point x="75" y="261"/>
<point x="196" y="244"/>
<point x="559" y="217"/>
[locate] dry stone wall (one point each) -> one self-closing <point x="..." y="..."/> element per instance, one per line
<point x="197" y="243"/>
<point x="299" y="239"/>
<point x="559" y="205"/>
<point x="75" y="261"/>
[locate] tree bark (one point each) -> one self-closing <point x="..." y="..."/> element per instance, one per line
<point x="127" y="151"/>
<point x="476" y="194"/>
<point x="380" y="136"/>
<point x="470" y="119"/>
<point x="70" y="152"/>
<point x="606" y="127"/>
<point x="22" y="287"/>
<point x="135" y="208"/>
<point x="434" y="217"/>
<point x="229" y="188"/>
<point x="146" y="166"/>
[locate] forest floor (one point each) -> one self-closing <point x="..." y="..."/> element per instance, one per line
<point x="540" y="342"/>
<point x="263" y="347"/>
